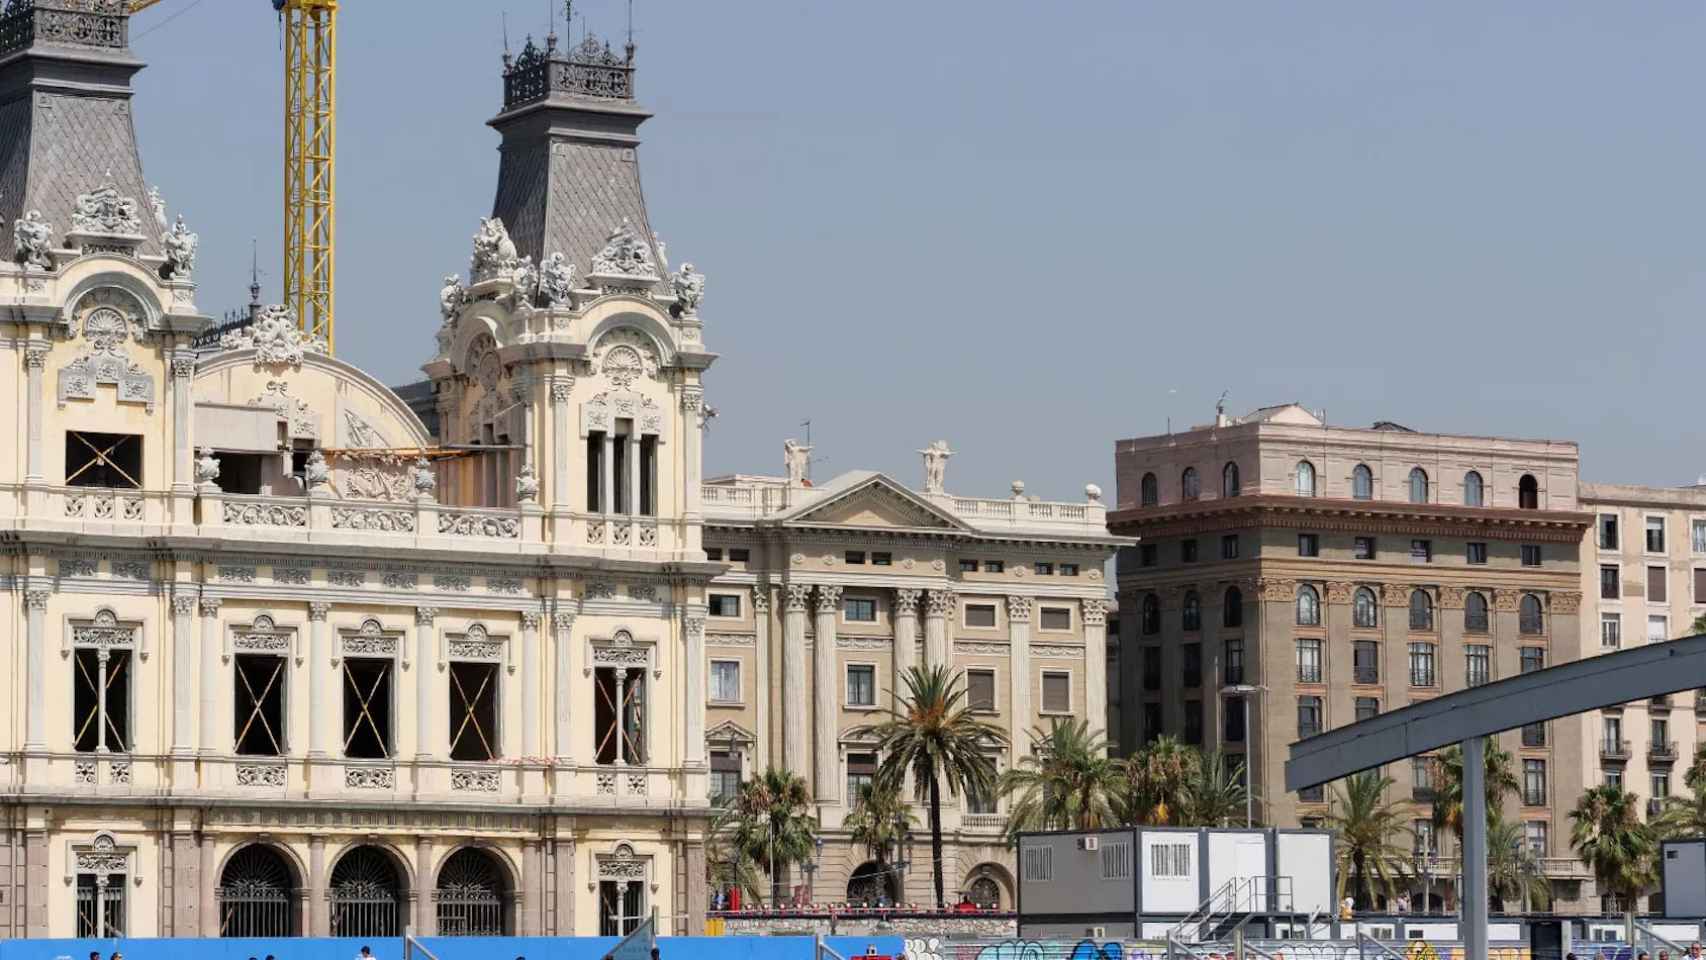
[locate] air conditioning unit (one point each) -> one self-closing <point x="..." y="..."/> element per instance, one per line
<point x="1096" y="933"/>
<point x="1090" y="844"/>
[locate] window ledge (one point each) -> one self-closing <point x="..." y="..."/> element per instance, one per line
<point x="861" y="707"/>
<point x="725" y="703"/>
<point x="1054" y="713"/>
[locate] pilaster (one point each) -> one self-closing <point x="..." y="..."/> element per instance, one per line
<point x="905" y="637"/>
<point x="796" y="734"/>
<point x="208" y="682"/>
<point x="825" y="684"/>
<point x="425" y="708"/>
<point x="319" y="917"/>
<point x="938" y="606"/>
<point x="319" y="661"/>
<point x="1019" y="673"/>
<point x="761" y="694"/>
<point x="562" y="703"/>
<point x="693" y="629"/>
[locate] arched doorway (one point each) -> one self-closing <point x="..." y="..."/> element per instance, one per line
<point x="872" y="883"/>
<point x="986" y="886"/>
<point x="367" y="895"/>
<point x="257" y="894"/>
<point x="473" y="895"/>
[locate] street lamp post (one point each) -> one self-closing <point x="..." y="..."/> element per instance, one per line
<point x="1246" y="693"/>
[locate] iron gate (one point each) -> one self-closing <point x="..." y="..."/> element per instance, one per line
<point x="100" y="905"/>
<point x="254" y="895"/>
<point x="365" y="897"/>
<point x="471" y="896"/>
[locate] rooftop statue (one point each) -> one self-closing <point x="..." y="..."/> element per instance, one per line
<point x="556" y="280"/>
<point x="180" y="246"/>
<point x="33" y="236"/>
<point x="689" y="290"/>
<point x="625" y="254"/>
<point x="494" y="251"/>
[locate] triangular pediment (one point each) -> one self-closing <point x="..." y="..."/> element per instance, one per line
<point x="877" y="502"/>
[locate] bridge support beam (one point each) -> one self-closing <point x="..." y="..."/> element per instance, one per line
<point x="1474" y="893"/>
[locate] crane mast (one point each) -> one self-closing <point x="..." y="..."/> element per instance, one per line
<point x="310" y="142"/>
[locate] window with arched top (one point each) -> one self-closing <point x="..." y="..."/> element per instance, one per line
<point x="1232" y="608"/>
<point x="1190" y="487"/>
<point x="1421" y="610"/>
<point x="1192" y="611"/>
<point x="1365" y="609"/>
<point x="1475" y="613"/>
<point x="1151" y="618"/>
<point x="1151" y="490"/>
<point x="1362" y="483"/>
<point x="1229" y="483"/>
<point x="1418" y="485"/>
<point x="1528" y="492"/>
<point x="1474" y="491"/>
<point x="1305" y="478"/>
<point x="1308" y="606"/>
<point x="1530" y="619"/>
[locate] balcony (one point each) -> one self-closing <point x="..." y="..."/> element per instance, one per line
<point x="1365" y="673"/>
<point x="754" y="498"/>
<point x="1310" y="674"/>
<point x="984" y="822"/>
<point x="1610" y="749"/>
<point x="1662" y="751"/>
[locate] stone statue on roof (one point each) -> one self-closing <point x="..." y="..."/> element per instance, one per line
<point x="689" y="290"/>
<point x="936" y="465"/>
<point x="796" y="456"/>
<point x="556" y="280"/>
<point x="494" y="251"/>
<point x="33" y="236"/>
<point x="180" y="246"/>
<point x="450" y="297"/>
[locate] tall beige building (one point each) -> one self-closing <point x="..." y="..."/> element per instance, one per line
<point x="1296" y="576"/>
<point x="834" y="590"/>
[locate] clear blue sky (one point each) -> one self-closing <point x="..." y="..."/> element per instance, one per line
<point x="1032" y="229"/>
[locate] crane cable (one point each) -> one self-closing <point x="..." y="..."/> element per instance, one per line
<point x="192" y="5"/>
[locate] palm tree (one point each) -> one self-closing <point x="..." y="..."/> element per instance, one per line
<point x="1155" y="779"/>
<point x="1064" y="783"/>
<point x="1513" y="870"/>
<point x="1609" y="837"/>
<point x="933" y="733"/>
<point x="1215" y="796"/>
<point x="1367" y="826"/>
<point x="768" y="824"/>
<point x="1500" y="780"/>
<point x="1683" y="816"/>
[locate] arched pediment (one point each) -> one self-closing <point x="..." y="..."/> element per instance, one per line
<point x="335" y="402"/>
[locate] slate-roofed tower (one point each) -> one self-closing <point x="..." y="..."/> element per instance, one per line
<point x="65" y="118"/>
<point x="568" y="174"/>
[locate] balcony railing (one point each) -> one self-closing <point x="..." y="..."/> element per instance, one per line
<point x="1610" y="749"/>
<point x="1421" y="678"/>
<point x="1662" y="750"/>
<point x="1533" y="798"/>
<point x="1423" y="793"/>
<point x="1365" y="673"/>
<point x="994" y="822"/>
<point x="1309" y="674"/>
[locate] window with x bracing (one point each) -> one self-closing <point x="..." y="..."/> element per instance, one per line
<point x="103" y="460"/>
<point x="367" y="708"/>
<point x="101" y="700"/>
<point x="619" y="715"/>
<point x="474" y="711"/>
<point x="259" y="697"/>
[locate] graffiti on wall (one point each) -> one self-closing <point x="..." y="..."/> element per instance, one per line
<point x="938" y="948"/>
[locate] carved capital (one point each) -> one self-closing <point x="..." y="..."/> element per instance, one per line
<point x="183" y="604"/>
<point x="36" y="599"/>
<point x="828" y="599"/>
<point x="906" y="602"/>
<point x="317" y="611"/>
<point x="183" y="366"/>
<point x="1395" y="595"/>
<point x="692" y="399"/>
<point x="760" y="598"/>
<point x="530" y="620"/>
<point x="938" y="603"/>
<point x="210" y="606"/>
<point x="1019" y="609"/>
<point x="424" y="616"/>
<point x="1275" y="588"/>
<point x="560" y="389"/>
<point x="796" y="595"/>
<point x="1339" y="591"/>
<point x="1095" y="613"/>
<point x="562" y="621"/>
<point x="1565" y="601"/>
<point x="35" y="356"/>
<point x="1507" y="601"/>
<point x="694" y="625"/>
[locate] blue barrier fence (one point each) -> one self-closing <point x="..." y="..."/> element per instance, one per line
<point x="445" y="948"/>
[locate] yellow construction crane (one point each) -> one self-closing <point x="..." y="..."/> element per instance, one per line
<point x="310" y="142"/>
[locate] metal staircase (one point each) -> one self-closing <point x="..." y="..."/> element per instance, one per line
<point x="1231" y="906"/>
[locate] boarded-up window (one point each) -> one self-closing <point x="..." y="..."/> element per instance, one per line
<point x="259" y="698"/>
<point x="1057" y="692"/>
<point x="367" y="708"/>
<point x="473" y="711"/>
<point x="103" y="460"/>
<point x="980" y="614"/>
<point x="1656" y="584"/>
<point x="980" y="689"/>
<point x="1057" y="618"/>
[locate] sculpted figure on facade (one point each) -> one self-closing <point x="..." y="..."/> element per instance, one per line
<point x="625" y="254"/>
<point x="525" y="281"/>
<point x="316" y="471"/>
<point x="556" y="280"/>
<point x="527" y="484"/>
<point x="451" y="297"/>
<point x="426" y="479"/>
<point x="494" y="251"/>
<point x="936" y="465"/>
<point x="180" y="246"/>
<point x="33" y="236"/>
<point x="796" y="456"/>
<point x="275" y="338"/>
<point x="206" y="468"/>
<point x="106" y="211"/>
<point x="157" y="203"/>
<point x="689" y="290"/>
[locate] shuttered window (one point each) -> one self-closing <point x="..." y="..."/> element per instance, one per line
<point x="1700" y="585"/>
<point x="1057" y="692"/>
<point x="980" y="689"/>
<point x="1656" y="584"/>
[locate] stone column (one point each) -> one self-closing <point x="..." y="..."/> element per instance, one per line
<point x="426" y="880"/>
<point x="1019" y="673"/>
<point x="35" y="872"/>
<point x="562" y="704"/>
<point x="634" y="475"/>
<point x="607" y="499"/>
<point x="796" y="734"/>
<point x="565" y="856"/>
<point x="425" y="711"/>
<point x="183" y="420"/>
<point x="1095" y="613"/>
<point x="35" y="362"/>
<point x="692" y="512"/>
<point x="938" y="606"/>
<point x="319" y="660"/>
<point x="183" y="672"/>
<point x="826" y="712"/>
<point x="35" y="721"/>
<point x="531" y="721"/>
<point x="905" y="637"/>
<point x="209" y="910"/>
<point x="762" y="689"/>
<point x="693" y="625"/>
<point x="208" y="736"/>
<point x="532" y="893"/>
<point x="319" y="916"/>
<point x="558" y="496"/>
<point x="698" y="894"/>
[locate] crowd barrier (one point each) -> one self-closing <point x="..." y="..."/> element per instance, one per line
<point x="445" y="948"/>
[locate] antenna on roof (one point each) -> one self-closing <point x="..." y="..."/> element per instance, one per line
<point x="503" y="22"/>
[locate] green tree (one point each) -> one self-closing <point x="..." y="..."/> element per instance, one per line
<point x="768" y="825"/>
<point x="1156" y="776"/>
<point x="1215" y="795"/>
<point x="1367" y="826"/>
<point x="932" y="733"/>
<point x="1683" y="816"/>
<point x="1696" y="628"/>
<point x="1063" y="783"/>
<point x="1500" y="781"/>
<point x="1609" y="837"/>
<point x="1514" y="872"/>
<point x="879" y="820"/>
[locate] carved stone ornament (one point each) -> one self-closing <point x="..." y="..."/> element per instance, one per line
<point x="276" y="338"/>
<point x="621" y="868"/>
<point x="474" y="781"/>
<point x="260" y="774"/>
<point x="906" y="602"/>
<point x="425" y="478"/>
<point x="157" y="203"/>
<point x="935" y="465"/>
<point x="689" y="289"/>
<point x="625" y="254"/>
<point x="110" y="319"/>
<point x="625" y="355"/>
<point x="102" y="857"/>
<point x="1095" y="612"/>
<point x="938" y="603"/>
<point x="33" y="238"/>
<point x="1019" y="609"/>
<point x="494" y="252"/>
<point x="1395" y="595"/>
<point x="370" y="639"/>
<point x="316" y="471"/>
<point x="180" y="246"/>
<point x="524" y="283"/>
<point x="1507" y="601"/>
<point x="1339" y="591"/>
<point x="556" y="280"/>
<point x="828" y="599"/>
<point x="796" y="596"/>
<point x="527" y="484"/>
<point x="1565" y="601"/>
<point x="1451" y="598"/>
<point x="451" y="297"/>
<point x="106" y="211"/>
<point x="104" y="631"/>
<point x="369" y="778"/>
<point x="206" y="468"/>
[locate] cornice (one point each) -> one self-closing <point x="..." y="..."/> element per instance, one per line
<point x="1351" y="516"/>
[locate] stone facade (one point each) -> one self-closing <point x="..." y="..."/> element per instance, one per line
<point x="833" y="591"/>
<point x="1315" y="573"/>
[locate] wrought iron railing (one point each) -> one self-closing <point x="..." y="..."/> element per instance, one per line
<point x="77" y="23"/>
<point x="1365" y="673"/>
<point x="1611" y="749"/>
<point x="591" y="69"/>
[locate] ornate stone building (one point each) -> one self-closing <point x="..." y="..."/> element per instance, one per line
<point x="280" y="658"/>
<point x="1295" y="576"/>
<point x="834" y="590"/>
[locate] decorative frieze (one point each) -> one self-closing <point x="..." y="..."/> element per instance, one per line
<point x="474" y="644"/>
<point x="343" y="577"/>
<point x="237" y="574"/>
<point x="131" y="569"/>
<point x="455" y="582"/>
<point x="370" y="639"/>
<point x="260" y="774"/>
<point x="292" y="574"/>
<point x="370" y="778"/>
<point x="1565" y="601"/>
<point x="474" y="781"/>
<point x="375" y="519"/>
<point x="982" y="648"/>
<point x="600" y="590"/>
<point x="503" y="584"/>
<point x="247" y="514"/>
<point x="104" y="631"/>
<point x="479" y="525"/>
<point x="731" y="639"/>
<point x="399" y="580"/>
<point x="77" y="567"/>
<point x="261" y="636"/>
